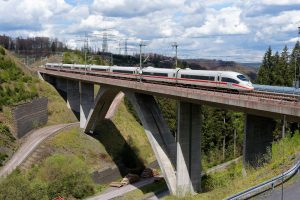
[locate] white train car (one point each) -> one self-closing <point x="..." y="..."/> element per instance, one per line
<point x="124" y="72"/>
<point x="235" y="81"/>
<point x="99" y="69"/>
<point x="197" y="77"/>
<point x="219" y="79"/>
<point x="159" y="74"/>
<point x="53" y="65"/>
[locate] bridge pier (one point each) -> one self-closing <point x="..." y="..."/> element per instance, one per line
<point x="100" y="107"/>
<point x="159" y="135"/>
<point x="73" y="96"/>
<point x="86" y="101"/>
<point x="188" y="148"/>
<point x="258" y="137"/>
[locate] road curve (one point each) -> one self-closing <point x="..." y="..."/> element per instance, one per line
<point x="31" y="142"/>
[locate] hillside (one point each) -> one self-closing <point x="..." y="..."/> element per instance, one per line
<point x="17" y="85"/>
<point x="72" y="146"/>
<point x="222" y="66"/>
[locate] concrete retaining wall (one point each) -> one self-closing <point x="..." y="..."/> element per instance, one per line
<point x="31" y="115"/>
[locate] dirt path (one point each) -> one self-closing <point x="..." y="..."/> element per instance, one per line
<point x="29" y="145"/>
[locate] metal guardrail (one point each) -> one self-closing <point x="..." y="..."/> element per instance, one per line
<point x="269" y="184"/>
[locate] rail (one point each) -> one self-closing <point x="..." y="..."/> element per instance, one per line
<point x="269" y="184"/>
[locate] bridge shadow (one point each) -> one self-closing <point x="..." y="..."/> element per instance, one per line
<point x="117" y="147"/>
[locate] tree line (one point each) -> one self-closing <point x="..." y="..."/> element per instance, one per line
<point x="280" y="68"/>
<point x="39" y="46"/>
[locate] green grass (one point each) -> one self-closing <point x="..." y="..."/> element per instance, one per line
<point x="74" y="142"/>
<point x="133" y="133"/>
<point x="58" y="175"/>
<point x="222" y="184"/>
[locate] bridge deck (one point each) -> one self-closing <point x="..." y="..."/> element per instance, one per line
<point x="267" y="105"/>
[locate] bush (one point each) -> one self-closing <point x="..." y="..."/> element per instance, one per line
<point x="2" y="51"/>
<point x="3" y="157"/>
<point x="66" y="175"/>
<point x="18" y="187"/>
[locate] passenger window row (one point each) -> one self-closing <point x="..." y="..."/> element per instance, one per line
<point x="155" y="74"/>
<point x="209" y="78"/>
<point x="124" y="72"/>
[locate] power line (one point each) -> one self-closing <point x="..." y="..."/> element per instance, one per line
<point x="175" y="45"/>
<point x="141" y="45"/>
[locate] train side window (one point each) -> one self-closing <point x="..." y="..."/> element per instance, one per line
<point x="97" y="69"/>
<point x="154" y="74"/>
<point x="229" y="80"/>
<point x="210" y="78"/>
<point x="125" y="72"/>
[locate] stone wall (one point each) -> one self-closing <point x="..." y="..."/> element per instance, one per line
<point x="31" y="115"/>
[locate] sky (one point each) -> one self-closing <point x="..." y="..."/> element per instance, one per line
<point x="239" y="30"/>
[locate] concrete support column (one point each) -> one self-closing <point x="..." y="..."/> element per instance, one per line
<point x="258" y="137"/>
<point x="73" y="96"/>
<point x="101" y="106"/>
<point x="188" y="148"/>
<point x="158" y="133"/>
<point x="86" y="101"/>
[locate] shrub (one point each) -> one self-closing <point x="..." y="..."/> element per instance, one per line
<point x="66" y="175"/>
<point x="2" y="51"/>
<point x="16" y="186"/>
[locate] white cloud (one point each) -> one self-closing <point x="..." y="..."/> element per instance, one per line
<point x="30" y="12"/>
<point x="132" y="8"/>
<point x="225" y="21"/>
<point x="280" y="2"/>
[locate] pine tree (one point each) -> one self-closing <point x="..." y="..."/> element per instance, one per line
<point x="264" y="73"/>
<point x="294" y="63"/>
<point x="284" y="63"/>
<point x="277" y="70"/>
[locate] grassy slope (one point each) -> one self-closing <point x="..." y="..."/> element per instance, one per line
<point x="58" y="112"/>
<point x="71" y="142"/>
<point x="74" y="142"/>
<point x="133" y="133"/>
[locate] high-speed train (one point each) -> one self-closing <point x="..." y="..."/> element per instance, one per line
<point x="205" y="78"/>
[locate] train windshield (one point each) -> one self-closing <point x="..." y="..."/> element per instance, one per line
<point x="242" y="77"/>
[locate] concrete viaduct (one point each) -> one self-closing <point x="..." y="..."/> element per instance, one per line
<point x="179" y="158"/>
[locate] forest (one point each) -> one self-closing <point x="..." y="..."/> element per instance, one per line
<point x="38" y="46"/>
